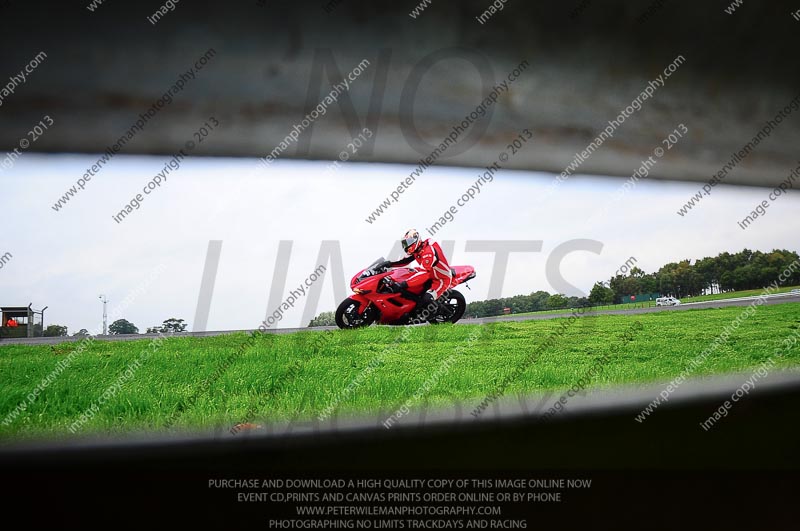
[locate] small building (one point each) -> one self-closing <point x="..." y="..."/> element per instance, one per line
<point x="506" y="311"/>
<point x="29" y="322"/>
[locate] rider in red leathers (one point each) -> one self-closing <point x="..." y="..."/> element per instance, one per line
<point x="434" y="265"/>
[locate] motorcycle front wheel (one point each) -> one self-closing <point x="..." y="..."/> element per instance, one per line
<point x="347" y="315"/>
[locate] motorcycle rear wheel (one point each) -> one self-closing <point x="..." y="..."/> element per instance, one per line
<point x="456" y="302"/>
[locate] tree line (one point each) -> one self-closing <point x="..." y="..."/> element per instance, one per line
<point x="717" y="274"/>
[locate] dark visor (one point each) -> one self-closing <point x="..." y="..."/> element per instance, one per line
<point x="408" y="242"/>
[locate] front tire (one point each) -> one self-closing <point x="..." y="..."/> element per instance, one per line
<point x="347" y="316"/>
<point x="456" y="303"/>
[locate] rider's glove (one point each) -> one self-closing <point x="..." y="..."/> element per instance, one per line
<point x="395" y="287"/>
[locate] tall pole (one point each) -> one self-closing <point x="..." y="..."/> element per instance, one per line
<point x="105" y="315"/>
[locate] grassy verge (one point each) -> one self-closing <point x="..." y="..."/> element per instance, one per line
<point x="735" y="294"/>
<point x="567" y="311"/>
<point x="201" y="382"/>
<point x="648" y="304"/>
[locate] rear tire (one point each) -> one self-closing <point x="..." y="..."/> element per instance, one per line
<point x="347" y="316"/>
<point x="457" y="302"/>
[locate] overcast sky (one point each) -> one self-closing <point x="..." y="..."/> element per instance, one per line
<point x="65" y="259"/>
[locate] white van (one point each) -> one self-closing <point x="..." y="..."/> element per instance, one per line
<point x="667" y="301"/>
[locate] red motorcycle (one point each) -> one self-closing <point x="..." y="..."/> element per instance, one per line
<point x="378" y="298"/>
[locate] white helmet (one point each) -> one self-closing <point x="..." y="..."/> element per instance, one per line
<point x="411" y="241"/>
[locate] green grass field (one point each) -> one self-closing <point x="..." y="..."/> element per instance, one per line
<point x="203" y="382"/>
